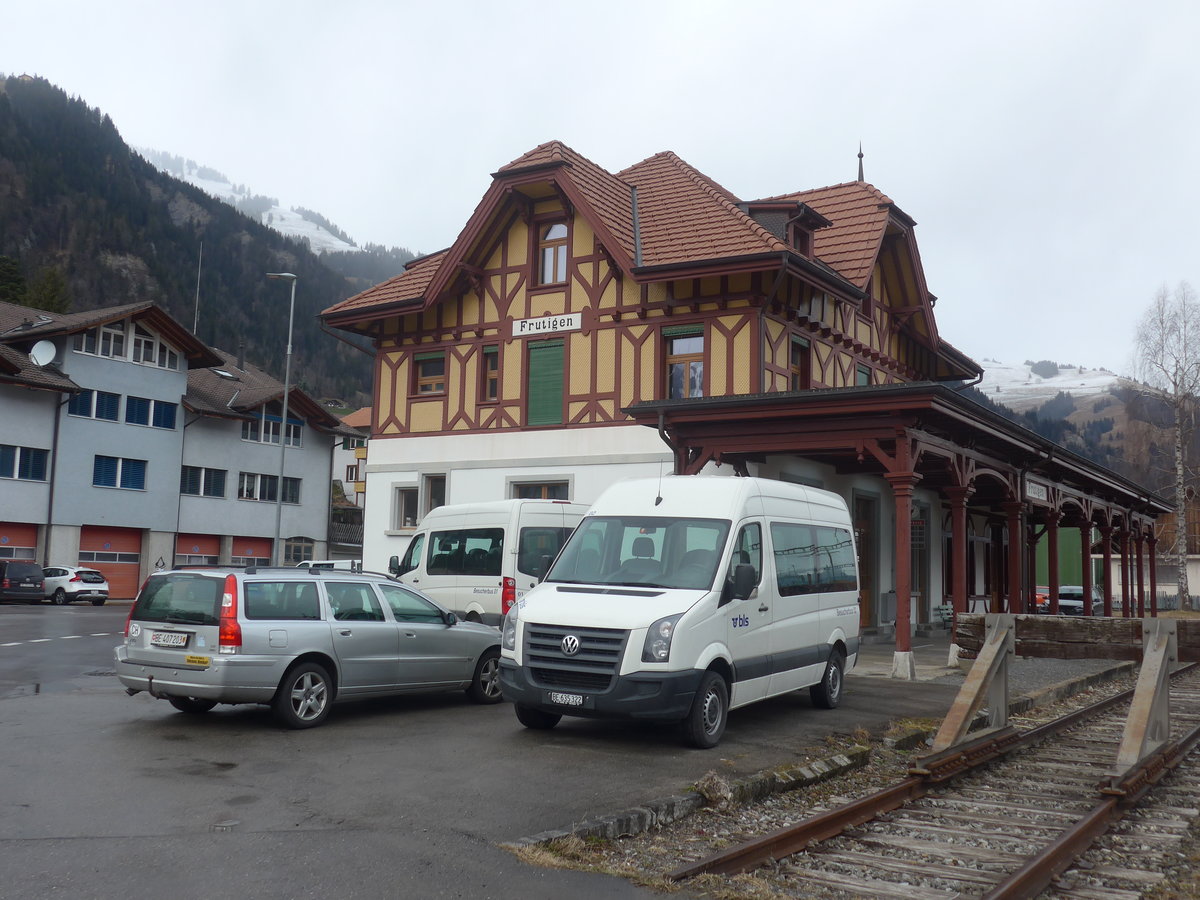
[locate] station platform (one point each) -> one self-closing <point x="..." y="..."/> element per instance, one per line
<point x="931" y="653"/>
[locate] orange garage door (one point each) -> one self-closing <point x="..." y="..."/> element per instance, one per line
<point x="18" y="540"/>
<point x="197" y="549"/>
<point x="117" y="552"/>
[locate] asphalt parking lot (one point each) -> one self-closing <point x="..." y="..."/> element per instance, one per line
<point x="107" y="795"/>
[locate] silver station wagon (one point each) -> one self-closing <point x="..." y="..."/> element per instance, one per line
<point x="297" y="639"/>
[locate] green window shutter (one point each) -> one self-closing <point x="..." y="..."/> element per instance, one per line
<point x="682" y="330"/>
<point x="545" y="385"/>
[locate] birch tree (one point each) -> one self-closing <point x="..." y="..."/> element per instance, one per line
<point x="1168" y="359"/>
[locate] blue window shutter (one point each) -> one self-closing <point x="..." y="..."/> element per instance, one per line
<point x="214" y="483"/>
<point x="108" y="406"/>
<point x="81" y="404"/>
<point x="189" y="480"/>
<point x="8" y="458"/>
<point x="137" y="410"/>
<point x="164" y="414"/>
<point x="133" y="474"/>
<point x="33" y="464"/>
<point x="104" y="471"/>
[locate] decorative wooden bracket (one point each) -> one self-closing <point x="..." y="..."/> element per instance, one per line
<point x="617" y="272"/>
<point x="523" y="204"/>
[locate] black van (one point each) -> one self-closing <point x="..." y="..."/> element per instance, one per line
<point x="21" y="579"/>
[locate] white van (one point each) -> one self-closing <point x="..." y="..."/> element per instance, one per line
<point x="683" y="597"/>
<point x="478" y="559"/>
<point x="354" y="565"/>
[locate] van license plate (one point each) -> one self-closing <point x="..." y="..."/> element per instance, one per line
<point x="168" y="639"/>
<point x="566" y="699"/>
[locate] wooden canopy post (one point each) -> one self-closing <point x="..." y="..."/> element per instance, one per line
<point x="1052" y="558"/>
<point x="1126" y="596"/>
<point x="903" y="665"/>
<point x="1085" y="543"/>
<point x="958" y="560"/>
<point x="1012" y="509"/>
<point x="1152" y="550"/>
<point x="1106" y="536"/>
<point x="1139" y="548"/>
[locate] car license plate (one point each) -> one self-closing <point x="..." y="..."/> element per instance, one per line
<point x="168" y="638"/>
<point x="566" y="699"/>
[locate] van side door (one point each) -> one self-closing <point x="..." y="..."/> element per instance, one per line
<point x="795" y="634"/>
<point x="748" y="620"/>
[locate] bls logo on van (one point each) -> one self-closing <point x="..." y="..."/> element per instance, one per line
<point x="741" y="621"/>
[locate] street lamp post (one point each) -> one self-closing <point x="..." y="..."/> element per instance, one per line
<point x="277" y="547"/>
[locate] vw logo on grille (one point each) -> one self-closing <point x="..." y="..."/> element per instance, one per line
<point x="570" y="645"/>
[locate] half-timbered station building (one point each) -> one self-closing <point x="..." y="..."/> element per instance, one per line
<point x="588" y="326"/>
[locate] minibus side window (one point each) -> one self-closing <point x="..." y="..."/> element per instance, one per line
<point x="835" y="566"/>
<point x="795" y="558"/>
<point x="747" y="551"/>
<point x="412" y="556"/>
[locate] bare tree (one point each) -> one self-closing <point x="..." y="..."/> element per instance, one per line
<point x="1168" y="359"/>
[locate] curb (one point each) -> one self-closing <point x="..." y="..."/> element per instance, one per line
<point x="671" y="809"/>
<point x="639" y="819"/>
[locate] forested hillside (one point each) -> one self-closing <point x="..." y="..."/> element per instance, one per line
<point x="86" y="222"/>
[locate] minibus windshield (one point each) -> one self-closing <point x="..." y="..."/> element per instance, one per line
<point x="643" y="551"/>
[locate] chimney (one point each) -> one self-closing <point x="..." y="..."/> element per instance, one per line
<point x="242" y="354"/>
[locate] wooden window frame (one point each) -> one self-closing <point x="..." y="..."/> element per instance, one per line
<point x="489" y="374"/>
<point x="425" y="385"/>
<point x="688" y="359"/>
<point x="560" y="248"/>
<point x="800" y="375"/>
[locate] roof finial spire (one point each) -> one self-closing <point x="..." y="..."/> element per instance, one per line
<point x="860" y="157"/>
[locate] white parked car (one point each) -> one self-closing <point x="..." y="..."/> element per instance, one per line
<point x="65" y="584"/>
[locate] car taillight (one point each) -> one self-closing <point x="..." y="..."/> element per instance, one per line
<point x="74" y="578"/>
<point x="5" y="583"/>
<point x="508" y="595"/>
<point x="129" y="618"/>
<point x="230" y="640"/>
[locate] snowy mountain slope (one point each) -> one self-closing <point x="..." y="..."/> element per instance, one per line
<point x="1018" y="388"/>
<point x="282" y="219"/>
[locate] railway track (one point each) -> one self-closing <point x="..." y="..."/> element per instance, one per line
<point x="1010" y="815"/>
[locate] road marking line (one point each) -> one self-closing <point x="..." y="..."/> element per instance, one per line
<point x="70" y="637"/>
<point x="12" y="644"/>
<point x="101" y="633"/>
<point x="41" y="640"/>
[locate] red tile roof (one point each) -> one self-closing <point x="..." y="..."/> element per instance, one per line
<point x="408" y="285"/>
<point x="859" y="213"/>
<point x="684" y="218"/>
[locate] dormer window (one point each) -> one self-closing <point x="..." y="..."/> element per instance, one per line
<point x="801" y="238"/>
<point x="552" y="253"/>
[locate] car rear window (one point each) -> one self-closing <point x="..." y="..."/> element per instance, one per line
<point x="194" y="599"/>
<point x="91" y="577"/>
<point x="24" y="570"/>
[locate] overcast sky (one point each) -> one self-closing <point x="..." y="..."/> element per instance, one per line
<point x="1047" y="150"/>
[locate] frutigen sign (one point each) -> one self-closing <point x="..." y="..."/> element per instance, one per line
<point x="547" y="325"/>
